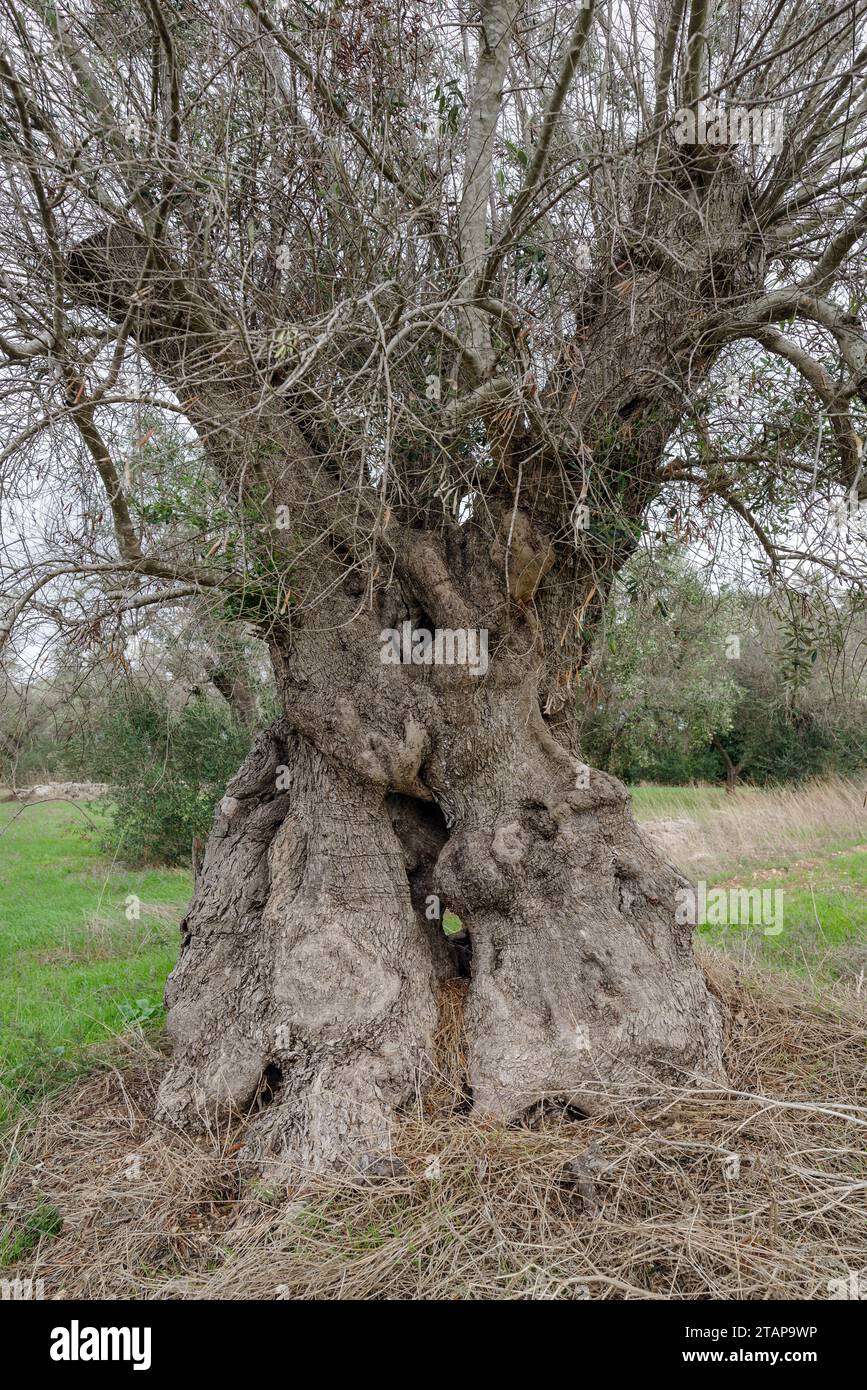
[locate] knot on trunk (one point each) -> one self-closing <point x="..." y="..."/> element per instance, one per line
<point x="391" y="763"/>
<point x="471" y="877"/>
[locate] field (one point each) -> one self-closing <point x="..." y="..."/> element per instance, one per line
<point x="808" y="843"/>
<point x="75" y="970"/>
<point x="754" y="1191"/>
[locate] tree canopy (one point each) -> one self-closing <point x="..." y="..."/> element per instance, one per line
<point x="391" y="283"/>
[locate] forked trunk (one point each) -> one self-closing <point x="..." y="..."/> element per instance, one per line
<point x="306" y="986"/>
<point x="306" y="991"/>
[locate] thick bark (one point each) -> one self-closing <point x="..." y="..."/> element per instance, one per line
<point x="304" y="989"/>
<point x="583" y="984"/>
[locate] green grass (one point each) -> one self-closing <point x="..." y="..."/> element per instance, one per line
<point x="824" y="918"/>
<point x="791" y="842"/>
<point x="667" y="803"/>
<point x="75" y="972"/>
<point x="43" y="1223"/>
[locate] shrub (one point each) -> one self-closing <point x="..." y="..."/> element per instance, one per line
<point x="167" y="771"/>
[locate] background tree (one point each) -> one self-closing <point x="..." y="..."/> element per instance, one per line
<point x="661" y="682"/>
<point x="167" y="768"/>
<point x="685" y="684"/>
<point x="436" y="305"/>
<point x="801" y="693"/>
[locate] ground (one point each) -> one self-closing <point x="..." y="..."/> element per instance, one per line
<point x="756" y="1191"/>
<point x="75" y="970"/>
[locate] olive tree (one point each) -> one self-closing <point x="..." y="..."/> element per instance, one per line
<point x="443" y="305"/>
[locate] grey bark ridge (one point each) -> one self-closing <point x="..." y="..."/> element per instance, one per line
<point x="304" y="992"/>
<point x="584" y="986"/>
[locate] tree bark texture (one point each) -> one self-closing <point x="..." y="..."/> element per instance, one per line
<point x="306" y="991"/>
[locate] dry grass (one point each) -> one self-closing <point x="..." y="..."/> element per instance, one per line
<point x="652" y="1209"/>
<point x="760" y="824"/>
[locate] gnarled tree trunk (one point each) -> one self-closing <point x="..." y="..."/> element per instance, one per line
<point x="416" y="402"/>
<point x="583" y="984"/>
<point x="306" y="988"/>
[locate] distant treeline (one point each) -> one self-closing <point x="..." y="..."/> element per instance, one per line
<point x="681" y="684"/>
<point x="686" y="684"/>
